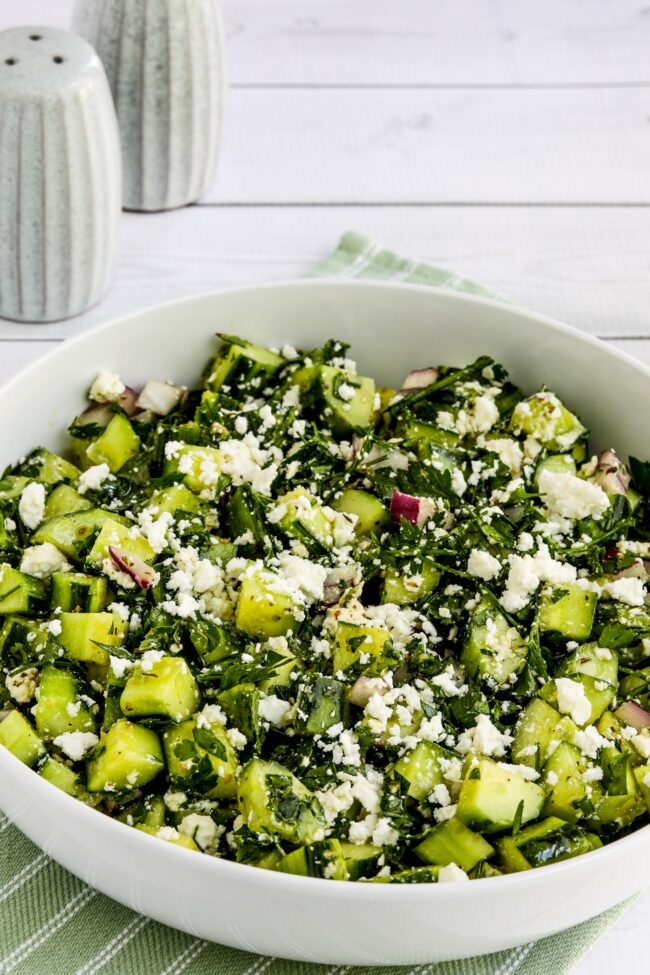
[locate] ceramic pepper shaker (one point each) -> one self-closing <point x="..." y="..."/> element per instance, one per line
<point x="60" y="175"/>
<point x="165" y="64"/>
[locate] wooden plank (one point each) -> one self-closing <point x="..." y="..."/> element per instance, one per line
<point x="419" y="41"/>
<point x="436" y="146"/>
<point x="585" y="266"/>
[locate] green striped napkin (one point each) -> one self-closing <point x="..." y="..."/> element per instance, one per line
<point x="50" y="922"/>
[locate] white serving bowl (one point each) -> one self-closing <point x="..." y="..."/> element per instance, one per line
<point x="392" y="328"/>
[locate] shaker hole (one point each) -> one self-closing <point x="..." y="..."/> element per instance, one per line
<point x="58" y="59"/>
<point x="35" y="37"/>
<point x="10" y="62"/>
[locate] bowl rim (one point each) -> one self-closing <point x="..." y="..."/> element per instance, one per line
<point x="218" y="866"/>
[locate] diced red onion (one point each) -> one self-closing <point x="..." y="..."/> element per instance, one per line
<point x="136" y="568"/>
<point x="415" y="510"/>
<point x="638" y="570"/>
<point x="98" y="414"/>
<point x="610" y="474"/>
<point x="634" y="715"/>
<point x="335" y="582"/>
<point x="159" y="397"/>
<point x="419" y="379"/>
<point x="128" y="399"/>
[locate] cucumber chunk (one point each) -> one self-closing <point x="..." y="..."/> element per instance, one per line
<point x="200" y="757"/>
<point x="546" y="842"/>
<point x="19" y="593"/>
<point x="538" y="727"/>
<point x="568" y="612"/>
<point x="349" y="400"/>
<point x="64" y="500"/>
<point x="544" y="417"/>
<point x="423" y="768"/>
<point x="88" y="637"/>
<point x="360" y="859"/>
<point x="264" y="608"/>
<point x="61" y="708"/>
<point x="165" y="689"/>
<point x="372" y="514"/>
<point x="321" y="703"/>
<point x="169" y="835"/>
<point x="493" y="649"/>
<point x="564" y="783"/>
<point x="128" y="757"/>
<point x="72" y="533"/>
<point x="272" y="800"/>
<point x="49" y="468"/>
<point x="18" y="736"/>
<point x="322" y="859"/>
<point x="404" y="588"/>
<point x="116" y="445"/>
<point x="452" y="842"/>
<point x="242" y="362"/>
<point x="491" y="798"/>
<point x="352" y="641"/>
<point x="74" y="592"/>
<point x="116" y="535"/>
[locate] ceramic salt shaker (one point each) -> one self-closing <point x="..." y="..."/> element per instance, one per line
<point x="165" y="64"/>
<point x="60" y="175"/>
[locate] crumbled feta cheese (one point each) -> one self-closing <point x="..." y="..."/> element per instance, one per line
<point x="484" y="738"/>
<point x="483" y="565"/>
<point x="274" y="710"/>
<point x="451" y="873"/>
<point x="42" y="561"/>
<point x="589" y="741"/>
<point x="75" y="744"/>
<point x="572" y="700"/>
<point x="631" y="591"/>
<point x="346" y="392"/>
<point x="571" y="497"/>
<point x="203" y="830"/>
<point x="94" y="477"/>
<point x="107" y="387"/>
<point x="508" y="451"/>
<point x="31" y="506"/>
<point x="22" y="686"/>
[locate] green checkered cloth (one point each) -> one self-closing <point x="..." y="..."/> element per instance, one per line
<point x="50" y="922"/>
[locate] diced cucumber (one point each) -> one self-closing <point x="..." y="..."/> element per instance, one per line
<point x="265" y="608"/>
<point x="272" y="800"/>
<point x="422" y="769"/>
<point x="49" y="468"/>
<point x="72" y="533"/>
<point x="538" y="726"/>
<point x="211" y="640"/>
<point x="74" y="592"/>
<point x="284" y="663"/>
<point x="116" y="445"/>
<point x="372" y="514"/>
<point x="12" y="486"/>
<point x="563" y="781"/>
<point x="241" y="362"/>
<point x="493" y="649"/>
<point x="169" y="835"/>
<point x="360" y="859"/>
<point x="427" y="435"/>
<point x="59" y="775"/>
<point x="544" y="417"/>
<point x="64" y="500"/>
<point x="150" y="811"/>
<point x="548" y="841"/>
<point x="200" y="467"/>
<point x="567" y="611"/>
<point x="118" y="536"/>
<point x="127" y="757"/>
<point x="597" y="674"/>
<point x="352" y="641"/>
<point x="452" y="842"/>
<point x="614" y="813"/>
<point x="321" y="703"/>
<point x="18" y="736"/>
<point x="349" y="400"/>
<point x="403" y="588"/>
<point x="304" y="518"/>
<point x="171" y="500"/>
<point x="322" y="859"/>
<point x="491" y="798"/>
<point x="19" y="593"/>
<point x="165" y="689"/>
<point x="60" y="707"/>
<point x="20" y="640"/>
<point x="87" y="636"/>
<point x="200" y="757"/>
<point x="642" y="776"/>
<point x="413" y="875"/>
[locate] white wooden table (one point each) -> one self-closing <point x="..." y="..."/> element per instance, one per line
<point x="507" y="139"/>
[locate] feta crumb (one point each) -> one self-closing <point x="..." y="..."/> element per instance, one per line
<point x="22" y="686"/>
<point x="483" y="565"/>
<point x="571" y="497"/>
<point x="631" y="591"/>
<point x="31" y="506"/>
<point x="274" y="710"/>
<point x="451" y="873"/>
<point x="94" y="477"/>
<point x="572" y="700"/>
<point x="75" y="744"/>
<point x="41" y="561"/>
<point x="484" y="738"/>
<point x="107" y="387"/>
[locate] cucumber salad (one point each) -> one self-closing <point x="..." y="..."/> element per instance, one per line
<point x="303" y="623"/>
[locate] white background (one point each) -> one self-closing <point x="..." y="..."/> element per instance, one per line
<point x="506" y="139"/>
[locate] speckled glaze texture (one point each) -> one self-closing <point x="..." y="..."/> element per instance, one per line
<point x="165" y="65"/>
<point x="60" y="176"/>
